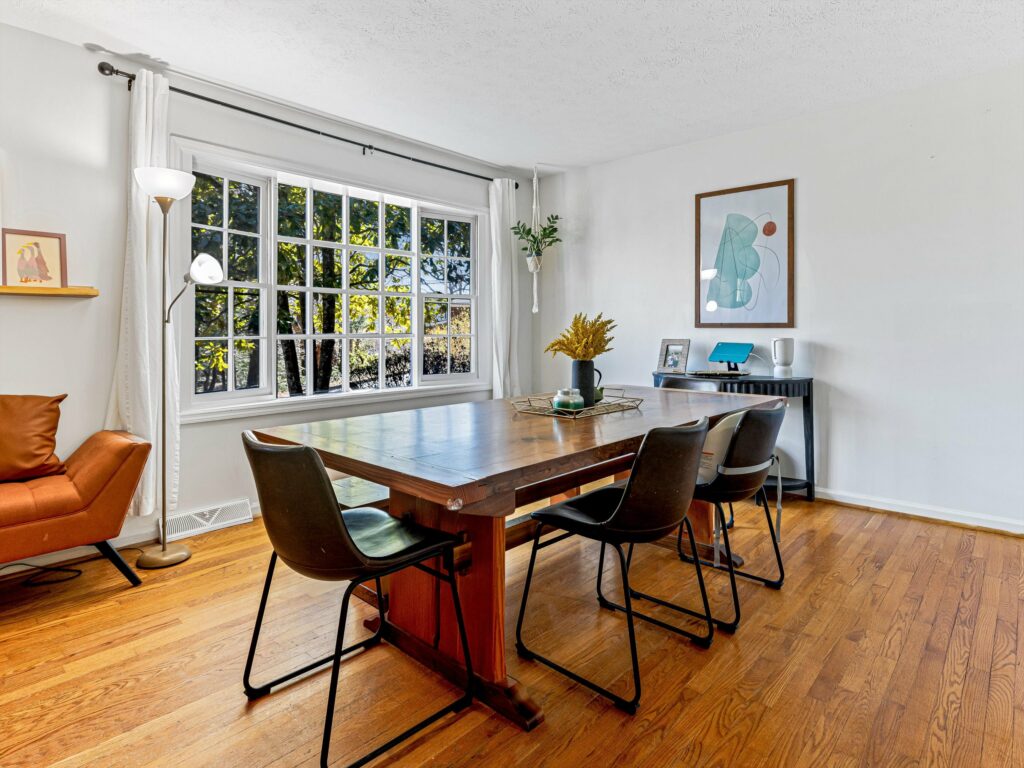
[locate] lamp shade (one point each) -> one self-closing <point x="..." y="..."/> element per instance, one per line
<point x="205" y="270"/>
<point x="164" y="182"/>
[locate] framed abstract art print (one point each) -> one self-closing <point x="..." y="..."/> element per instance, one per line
<point x="744" y="257"/>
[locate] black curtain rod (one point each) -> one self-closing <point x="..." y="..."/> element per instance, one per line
<point x="109" y="70"/>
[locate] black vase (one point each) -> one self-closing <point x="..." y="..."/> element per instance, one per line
<point x="583" y="380"/>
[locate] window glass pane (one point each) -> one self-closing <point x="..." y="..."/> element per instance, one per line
<point x="243" y="258"/>
<point x="327" y="365"/>
<point x="291" y="210"/>
<point x="435" y="356"/>
<point x="328" y="216"/>
<point x="211" y="366"/>
<point x="363" y="271"/>
<point x="291" y="312"/>
<point x="458" y="238"/>
<point x="291" y="368"/>
<point x="398" y="363"/>
<point x="432" y="237"/>
<point x="363" y="363"/>
<point x="461" y="355"/>
<point x="363" y="221"/>
<point x="461" y="319"/>
<point x="458" y="276"/>
<point x="397" y="314"/>
<point x="243" y="206"/>
<point x="211" y="311"/>
<point x="398" y="277"/>
<point x="291" y="264"/>
<point x="435" y="317"/>
<point x="247" y="363"/>
<point x="328" y="313"/>
<point x="397" y="227"/>
<point x="247" y="312"/>
<point x="208" y="241"/>
<point x="327" y="267"/>
<point x="432" y="275"/>
<point x="208" y="200"/>
<point x="363" y="313"/>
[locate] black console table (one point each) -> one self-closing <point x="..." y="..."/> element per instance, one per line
<point x="769" y="385"/>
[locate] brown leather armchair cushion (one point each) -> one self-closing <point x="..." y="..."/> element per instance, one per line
<point x="86" y="505"/>
<point x="28" y="436"/>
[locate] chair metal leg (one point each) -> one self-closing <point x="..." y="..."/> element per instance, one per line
<point x="459" y="704"/>
<point x="256" y="692"/>
<point x="702" y="640"/>
<point x="627" y="705"/>
<point x="761" y="497"/>
<point x="729" y="626"/>
<point x="732" y="518"/>
<point x="332" y="693"/>
<point x="115" y="558"/>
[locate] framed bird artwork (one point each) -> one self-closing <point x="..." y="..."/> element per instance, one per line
<point x="34" y="259"/>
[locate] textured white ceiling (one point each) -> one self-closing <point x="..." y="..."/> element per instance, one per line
<point x="567" y="82"/>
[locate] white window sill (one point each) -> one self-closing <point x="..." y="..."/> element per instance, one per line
<point x="223" y="412"/>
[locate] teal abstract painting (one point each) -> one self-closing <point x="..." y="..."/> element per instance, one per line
<point x="745" y="256"/>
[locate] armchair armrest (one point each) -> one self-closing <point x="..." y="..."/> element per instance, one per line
<point x="98" y="460"/>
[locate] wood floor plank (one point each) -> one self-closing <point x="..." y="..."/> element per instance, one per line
<point x="895" y="642"/>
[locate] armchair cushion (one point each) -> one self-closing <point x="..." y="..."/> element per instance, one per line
<point x="29" y="436"/>
<point x="38" y="499"/>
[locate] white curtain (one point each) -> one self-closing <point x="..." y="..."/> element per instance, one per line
<point x="135" y="392"/>
<point x="504" y="288"/>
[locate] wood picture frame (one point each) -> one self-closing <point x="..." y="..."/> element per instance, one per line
<point x="753" y="299"/>
<point x="673" y="355"/>
<point x="28" y="259"/>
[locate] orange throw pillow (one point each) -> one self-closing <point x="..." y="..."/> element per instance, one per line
<point x="28" y="435"/>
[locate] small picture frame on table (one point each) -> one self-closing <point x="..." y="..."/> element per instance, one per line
<point x="673" y="355"/>
<point x="33" y="259"/>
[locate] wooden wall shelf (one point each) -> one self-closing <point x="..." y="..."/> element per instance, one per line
<point x="71" y="291"/>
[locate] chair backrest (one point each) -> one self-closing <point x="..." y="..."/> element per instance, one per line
<point x="661" y="483"/>
<point x="668" y="382"/>
<point x="748" y="460"/>
<point x="300" y="511"/>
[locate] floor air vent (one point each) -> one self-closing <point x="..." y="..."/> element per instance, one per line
<point x="184" y="524"/>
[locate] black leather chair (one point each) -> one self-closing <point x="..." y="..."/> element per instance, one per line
<point x="741" y="476"/>
<point x="651" y="504"/>
<point x="314" y="537"/>
<point x="693" y="385"/>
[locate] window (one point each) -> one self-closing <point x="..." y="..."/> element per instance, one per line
<point x="329" y="289"/>
<point x="226" y="217"/>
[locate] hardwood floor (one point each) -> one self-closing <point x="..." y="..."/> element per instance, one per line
<point x="895" y="641"/>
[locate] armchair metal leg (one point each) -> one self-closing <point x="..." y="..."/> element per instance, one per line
<point x="627" y="705"/>
<point x="115" y="557"/>
<point x="702" y="640"/>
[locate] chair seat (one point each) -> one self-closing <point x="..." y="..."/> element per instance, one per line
<point x="584" y="514"/>
<point x="381" y="537"/>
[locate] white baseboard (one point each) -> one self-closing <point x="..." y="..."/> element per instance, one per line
<point x="976" y="519"/>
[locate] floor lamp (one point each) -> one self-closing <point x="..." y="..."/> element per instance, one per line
<point x="166" y="186"/>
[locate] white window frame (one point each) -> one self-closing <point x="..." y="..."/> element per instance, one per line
<point x="265" y="172"/>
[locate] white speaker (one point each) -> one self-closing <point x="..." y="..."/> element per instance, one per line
<point x="782" y="356"/>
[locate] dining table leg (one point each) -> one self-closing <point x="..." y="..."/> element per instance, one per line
<point x="421" y="619"/>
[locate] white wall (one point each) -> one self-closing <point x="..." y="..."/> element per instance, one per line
<point x="63" y="168"/>
<point x="909" y="273"/>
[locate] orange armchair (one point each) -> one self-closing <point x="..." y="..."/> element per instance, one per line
<point x="85" y="506"/>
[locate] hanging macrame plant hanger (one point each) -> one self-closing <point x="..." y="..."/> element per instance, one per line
<point x="533" y="259"/>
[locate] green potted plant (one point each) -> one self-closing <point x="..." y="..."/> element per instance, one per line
<point x="582" y="341"/>
<point x="534" y="244"/>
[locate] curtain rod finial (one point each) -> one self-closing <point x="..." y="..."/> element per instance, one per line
<point x="106" y="68"/>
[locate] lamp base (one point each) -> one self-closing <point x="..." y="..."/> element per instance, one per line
<point x="158" y="557"/>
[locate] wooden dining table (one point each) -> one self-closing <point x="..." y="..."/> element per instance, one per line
<point x="458" y="468"/>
